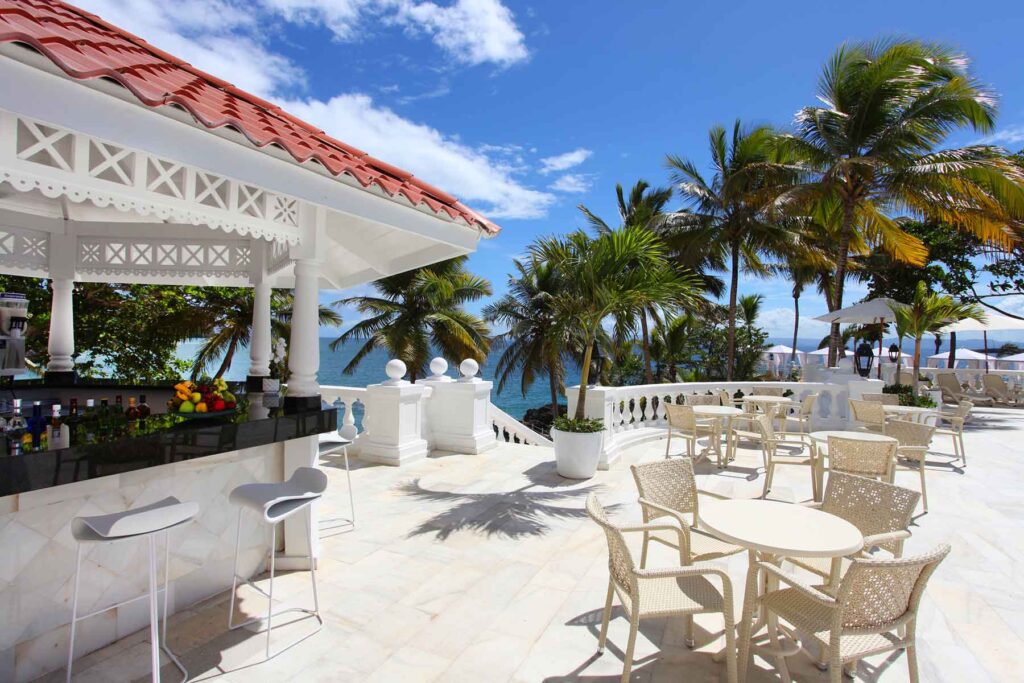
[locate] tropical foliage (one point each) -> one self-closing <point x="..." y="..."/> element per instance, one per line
<point x="418" y="313"/>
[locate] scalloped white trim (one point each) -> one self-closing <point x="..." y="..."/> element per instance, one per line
<point x="161" y="272"/>
<point x="24" y="182"/>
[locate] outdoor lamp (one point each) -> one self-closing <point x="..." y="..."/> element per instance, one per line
<point x="863" y="359"/>
<point x="894" y="353"/>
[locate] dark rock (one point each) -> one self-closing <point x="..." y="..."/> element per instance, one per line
<point x="540" y="419"/>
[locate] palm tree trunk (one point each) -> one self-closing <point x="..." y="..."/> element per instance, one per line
<point x="796" y="326"/>
<point x="228" y="356"/>
<point x="645" y="343"/>
<point x="951" y="361"/>
<point x="899" y="360"/>
<point x="733" y="284"/>
<point x="840" y="279"/>
<point x="553" y="381"/>
<point x="581" y="397"/>
<point x="917" y="362"/>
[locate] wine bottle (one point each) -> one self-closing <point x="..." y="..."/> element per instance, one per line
<point x="144" y="410"/>
<point x="132" y="414"/>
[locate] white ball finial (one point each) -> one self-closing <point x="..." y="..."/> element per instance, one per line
<point x="395" y="369"/>
<point x="469" y="368"/>
<point x="438" y="366"/>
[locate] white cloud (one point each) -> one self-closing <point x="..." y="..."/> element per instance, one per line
<point x="1011" y="135"/>
<point x="469" y="173"/>
<point x="472" y="31"/>
<point x="572" y="183"/>
<point x="778" y="322"/>
<point x="563" y="162"/>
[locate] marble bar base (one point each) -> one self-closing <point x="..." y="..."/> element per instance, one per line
<point x="39" y="554"/>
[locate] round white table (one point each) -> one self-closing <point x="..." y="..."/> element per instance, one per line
<point x="770" y="530"/>
<point x="916" y="412"/>
<point x="850" y="434"/>
<point x="719" y="413"/>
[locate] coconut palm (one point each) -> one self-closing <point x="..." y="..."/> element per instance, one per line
<point x="608" y="275"/>
<point x="671" y="343"/>
<point x="927" y="313"/>
<point x="644" y="208"/>
<point x="227" y="311"/>
<point x="807" y="263"/>
<point x="534" y="344"/>
<point x="724" y="217"/>
<point x="421" y="310"/>
<point x="872" y="147"/>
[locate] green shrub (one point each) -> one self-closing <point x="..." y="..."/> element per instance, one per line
<point x="584" y="426"/>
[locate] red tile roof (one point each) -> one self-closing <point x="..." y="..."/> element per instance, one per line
<point x="85" y="46"/>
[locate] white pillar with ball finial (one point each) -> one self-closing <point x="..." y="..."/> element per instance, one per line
<point x="395" y="419"/>
<point x="459" y="412"/>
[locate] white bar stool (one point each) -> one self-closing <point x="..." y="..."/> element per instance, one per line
<point x="275" y="503"/>
<point x="146" y="521"/>
<point x="329" y="444"/>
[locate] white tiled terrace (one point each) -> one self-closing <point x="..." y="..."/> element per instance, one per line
<point x="485" y="568"/>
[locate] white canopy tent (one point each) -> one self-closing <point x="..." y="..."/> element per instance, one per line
<point x="993" y="322"/>
<point x="871" y="312"/>
<point x="972" y="359"/>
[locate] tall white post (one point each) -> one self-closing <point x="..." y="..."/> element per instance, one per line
<point x="304" y="345"/>
<point x="61" y="346"/>
<point x="259" y="346"/>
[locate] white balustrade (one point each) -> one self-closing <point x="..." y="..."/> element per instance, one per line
<point x="510" y="430"/>
<point x="345" y="399"/>
<point x="634" y="414"/>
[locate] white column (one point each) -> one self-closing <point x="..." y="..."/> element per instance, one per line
<point x="259" y="346"/>
<point x="458" y="413"/>
<point x="61" y="347"/>
<point x="304" y="345"/>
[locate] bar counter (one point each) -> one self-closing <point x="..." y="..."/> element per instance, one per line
<point x="100" y="451"/>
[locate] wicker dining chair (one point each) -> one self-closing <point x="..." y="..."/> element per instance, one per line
<point x="674" y="591"/>
<point x="701" y="400"/>
<point x="875" y="459"/>
<point x="668" y="488"/>
<point x="870" y="413"/>
<point x="773" y="458"/>
<point x="682" y="422"/>
<point x="804" y="416"/>
<point x="881" y="511"/>
<point x="952" y="392"/>
<point x="884" y="399"/>
<point x="954" y="427"/>
<point x="873" y="611"/>
<point x="914" y="440"/>
<point x="725" y="398"/>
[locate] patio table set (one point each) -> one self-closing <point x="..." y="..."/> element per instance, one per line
<point x="850" y="536"/>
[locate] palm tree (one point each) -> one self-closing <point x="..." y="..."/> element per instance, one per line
<point x="643" y="209"/>
<point x="608" y="275"/>
<point x="419" y="310"/>
<point x="724" y="217"/>
<point x="534" y="344"/>
<point x="926" y="314"/>
<point x="872" y="149"/>
<point x="671" y="342"/>
<point x="806" y="263"/>
<point x="227" y="311"/>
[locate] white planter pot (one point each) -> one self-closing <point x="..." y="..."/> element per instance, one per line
<point x="577" y="454"/>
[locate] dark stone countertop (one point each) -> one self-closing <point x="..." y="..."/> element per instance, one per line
<point x="117" y="446"/>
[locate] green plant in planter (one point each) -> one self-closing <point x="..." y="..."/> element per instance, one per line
<point x="585" y="425"/>
<point x="615" y="273"/>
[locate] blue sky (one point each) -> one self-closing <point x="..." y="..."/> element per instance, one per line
<point x="526" y="109"/>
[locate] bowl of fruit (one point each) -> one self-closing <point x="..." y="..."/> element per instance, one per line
<point x="202" y="398"/>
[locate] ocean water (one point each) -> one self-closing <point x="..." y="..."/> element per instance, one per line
<point x="371" y="370"/>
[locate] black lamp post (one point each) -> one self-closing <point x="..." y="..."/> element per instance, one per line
<point x="863" y="359"/>
<point x="894" y="353"/>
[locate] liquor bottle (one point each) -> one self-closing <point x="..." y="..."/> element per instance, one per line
<point x="132" y="414"/>
<point x="144" y="410"/>
<point x="90" y="409"/>
<point x="118" y="406"/>
<point x="73" y="409"/>
<point x="37" y="425"/>
<point x="16" y="429"/>
<point x="58" y="434"/>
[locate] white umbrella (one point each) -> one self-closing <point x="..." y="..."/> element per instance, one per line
<point x="870" y="312"/>
<point x="992" y="322"/>
<point x="963" y="354"/>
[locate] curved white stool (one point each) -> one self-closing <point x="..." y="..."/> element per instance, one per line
<point x="275" y="503"/>
<point x="331" y="443"/>
<point x="142" y="522"/>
